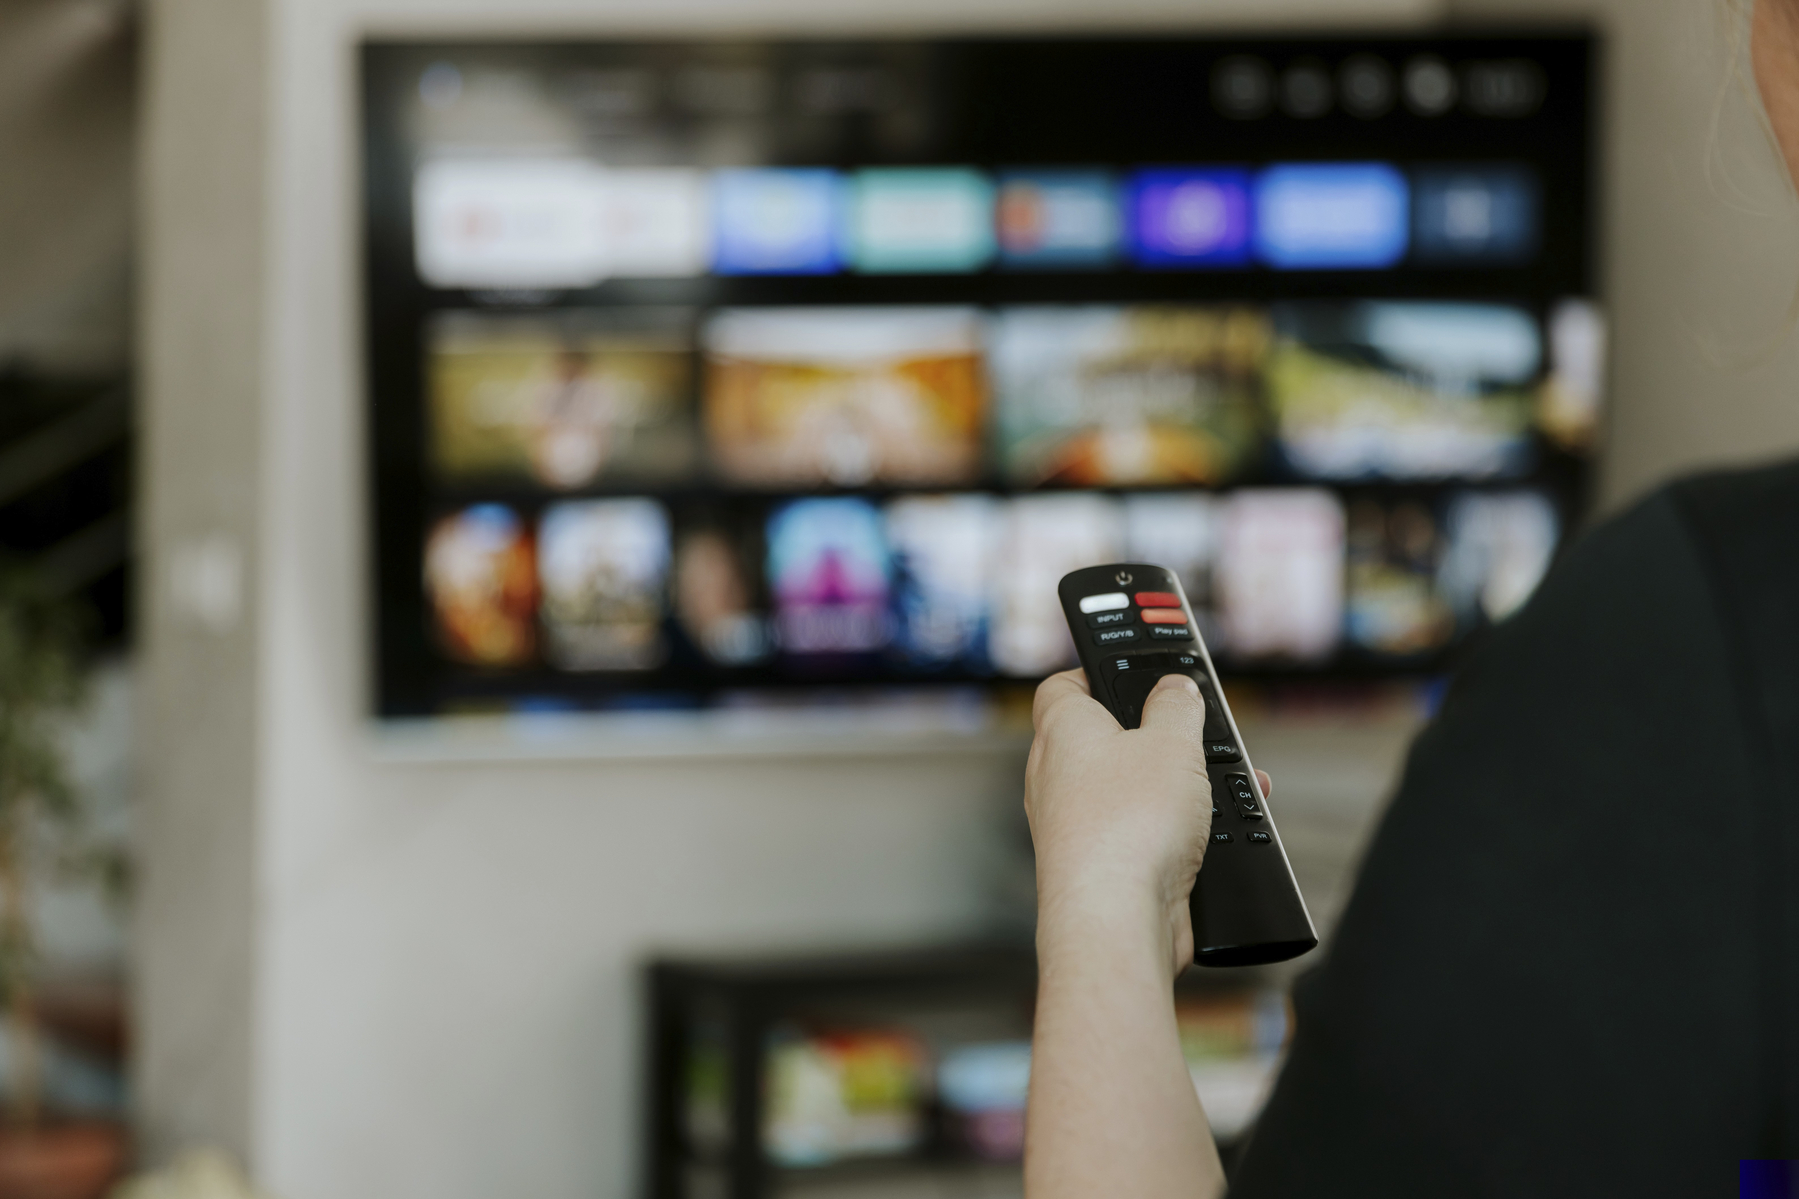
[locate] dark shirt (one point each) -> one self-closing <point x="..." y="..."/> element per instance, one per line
<point x="1571" y="963"/>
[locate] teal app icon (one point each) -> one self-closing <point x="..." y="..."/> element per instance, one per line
<point x="921" y="221"/>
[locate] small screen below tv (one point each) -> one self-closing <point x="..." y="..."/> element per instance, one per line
<point x="708" y="374"/>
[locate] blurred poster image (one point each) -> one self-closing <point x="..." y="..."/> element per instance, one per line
<point x="1108" y="396"/>
<point x="1499" y="547"/>
<point x="1572" y="398"/>
<point x="1280" y="574"/>
<point x="1179" y="531"/>
<point x="481" y="582"/>
<point x="1403" y="390"/>
<point x="1394" y="607"/>
<point x="1042" y="538"/>
<point x="829" y="572"/>
<point x="563" y="403"/>
<point x="942" y="549"/>
<point x="603" y="566"/>
<point x="802" y="397"/>
<point x="717" y="590"/>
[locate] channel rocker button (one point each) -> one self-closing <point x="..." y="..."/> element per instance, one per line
<point x="1157" y="599"/>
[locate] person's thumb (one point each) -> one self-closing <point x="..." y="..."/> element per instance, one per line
<point x="1174" y="705"/>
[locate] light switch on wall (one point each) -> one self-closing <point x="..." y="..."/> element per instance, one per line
<point x="205" y="581"/>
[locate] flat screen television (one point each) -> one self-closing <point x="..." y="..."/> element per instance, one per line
<point x="710" y="374"/>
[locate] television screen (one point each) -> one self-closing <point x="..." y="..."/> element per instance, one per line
<point x="717" y="373"/>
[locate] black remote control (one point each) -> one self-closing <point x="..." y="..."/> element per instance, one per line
<point x="1133" y="625"/>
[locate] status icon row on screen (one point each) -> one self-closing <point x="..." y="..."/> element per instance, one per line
<point x="560" y="223"/>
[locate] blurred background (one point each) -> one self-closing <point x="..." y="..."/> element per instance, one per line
<point x="529" y="529"/>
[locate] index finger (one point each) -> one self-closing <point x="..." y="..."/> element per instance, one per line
<point x="1057" y="688"/>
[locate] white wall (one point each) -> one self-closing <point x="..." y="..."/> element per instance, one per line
<point x="419" y="977"/>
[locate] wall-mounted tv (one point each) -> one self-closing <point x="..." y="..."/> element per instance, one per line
<point x="712" y="373"/>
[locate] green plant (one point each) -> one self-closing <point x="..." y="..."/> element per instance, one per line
<point x="40" y="682"/>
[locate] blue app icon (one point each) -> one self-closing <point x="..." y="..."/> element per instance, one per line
<point x="1058" y="219"/>
<point x="1332" y="216"/>
<point x="776" y="222"/>
<point x="1477" y="215"/>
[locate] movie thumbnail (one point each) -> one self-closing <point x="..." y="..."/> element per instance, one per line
<point x="1280" y="574"/>
<point x="1108" y="396"/>
<point x="1178" y="530"/>
<point x="481" y="584"/>
<point x="603" y="568"/>
<point x="720" y="597"/>
<point x="803" y="397"/>
<point x="1393" y="607"/>
<point x="1042" y="538"/>
<point x="563" y="402"/>
<point x="829" y="572"/>
<point x="942" y="547"/>
<point x="1499" y="548"/>
<point x="1572" y="398"/>
<point x="1404" y="390"/>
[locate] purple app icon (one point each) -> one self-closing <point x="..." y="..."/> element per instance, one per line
<point x="1183" y="216"/>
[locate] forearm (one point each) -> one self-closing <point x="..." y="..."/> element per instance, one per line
<point x="1112" y="1109"/>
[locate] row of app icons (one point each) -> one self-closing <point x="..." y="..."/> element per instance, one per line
<point x="1037" y="395"/>
<point x="964" y="584"/>
<point x="506" y="223"/>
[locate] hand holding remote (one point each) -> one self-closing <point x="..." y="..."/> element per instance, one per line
<point x="1119" y="817"/>
<point x="1133" y="628"/>
<point x="1121" y="820"/>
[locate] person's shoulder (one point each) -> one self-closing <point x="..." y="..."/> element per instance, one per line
<point x="1697" y="564"/>
<point x="1729" y="512"/>
<point x="1700" y="521"/>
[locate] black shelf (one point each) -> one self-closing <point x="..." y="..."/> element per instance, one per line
<point x="747" y="997"/>
<point x="751" y="995"/>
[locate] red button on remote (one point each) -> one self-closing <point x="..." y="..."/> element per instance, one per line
<point x="1158" y="599"/>
<point x="1164" y="616"/>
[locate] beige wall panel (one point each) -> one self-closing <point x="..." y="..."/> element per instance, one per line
<point x="203" y="221"/>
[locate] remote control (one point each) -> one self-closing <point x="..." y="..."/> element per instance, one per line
<point x="1133" y="625"/>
